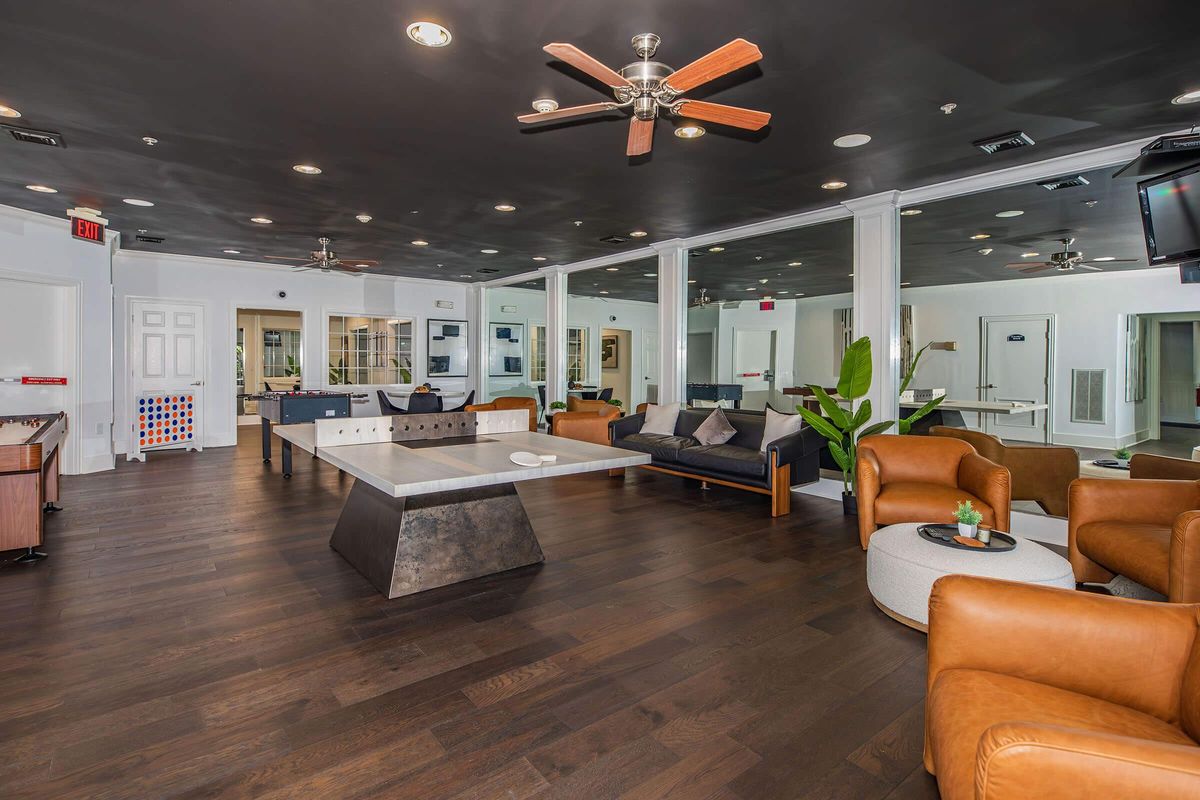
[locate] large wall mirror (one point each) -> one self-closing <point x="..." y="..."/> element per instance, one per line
<point x="448" y="348"/>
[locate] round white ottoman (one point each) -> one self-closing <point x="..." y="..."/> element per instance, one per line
<point x="901" y="569"/>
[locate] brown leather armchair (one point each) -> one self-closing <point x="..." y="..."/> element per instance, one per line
<point x="586" y="426"/>
<point x="1147" y="530"/>
<point x="579" y="404"/>
<point x="509" y="404"/>
<point x="1144" y="466"/>
<point x="922" y="478"/>
<point x="1040" y="474"/>
<point x="1036" y="692"/>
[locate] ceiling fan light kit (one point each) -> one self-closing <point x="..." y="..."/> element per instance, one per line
<point x="649" y="88"/>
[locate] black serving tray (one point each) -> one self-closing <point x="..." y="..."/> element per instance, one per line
<point x="944" y="535"/>
<point x="1109" y="463"/>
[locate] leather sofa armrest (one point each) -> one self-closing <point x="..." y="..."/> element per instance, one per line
<point x="626" y="425"/>
<point x="795" y="446"/>
<point x="1090" y="644"/>
<point x="868" y="484"/>
<point x="990" y="482"/>
<point x="1183" y="585"/>
<point x="1019" y="760"/>
<point x="1146" y="501"/>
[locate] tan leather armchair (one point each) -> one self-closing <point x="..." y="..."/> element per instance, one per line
<point x="509" y="404"/>
<point x="1147" y="530"/>
<point x="1036" y="692"/>
<point x="1040" y="474"/>
<point x="922" y="478"/>
<point x="586" y="426"/>
<point x="1144" y="466"/>
<point x="579" y="404"/>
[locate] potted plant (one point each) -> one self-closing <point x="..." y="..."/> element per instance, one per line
<point x="968" y="518"/>
<point x="1122" y="456"/>
<point x="844" y="427"/>
<point x="615" y="402"/>
<point x="905" y="424"/>
<point x="558" y="405"/>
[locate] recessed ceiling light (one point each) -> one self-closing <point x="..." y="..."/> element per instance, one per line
<point x="1105" y="258"/>
<point x="489" y="251"/>
<point x="307" y="169"/>
<point x="1090" y="203"/>
<point x="143" y="230"/>
<point x="795" y="263"/>
<point x="1007" y="214"/>
<point x="149" y="141"/>
<point x="689" y="131"/>
<point x="911" y="212"/>
<point x="1187" y="97"/>
<point x="612" y="269"/>
<point x="763" y="280"/>
<point x="544" y="105"/>
<point x="363" y="266"/>
<point x="638" y="234"/>
<point x="649" y="274"/>
<point x="751" y="288"/>
<point x="1029" y="255"/>
<point x="782" y="291"/>
<point x="232" y="252"/>
<point x="262" y="220"/>
<point x="717" y="249"/>
<point x="833" y="185"/>
<point x="978" y="236"/>
<point x="429" y="34"/>
<point x="504" y="207"/>
<point x="419" y="243"/>
<point x="603" y="292"/>
<point x="9" y="111"/>
<point x="464" y="276"/>
<point x="851" y="275"/>
<point x="851" y="140"/>
<point x="37" y="187"/>
<point x="539" y="258"/>
<point x="133" y="201"/>
<point x="906" y="283"/>
<point x="364" y="218"/>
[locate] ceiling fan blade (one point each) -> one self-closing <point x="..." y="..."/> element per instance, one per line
<point x="1024" y="264"/>
<point x="723" y="115"/>
<point x="573" y="111"/>
<point x="585" y="63"/>
<point x="288" y="258"/>
<point x="1039" y="268"/>
<point x="641" y="137"/>
<point x="304" y="267"/>
<point x="356" y="261"/>
<point x="1113" y="261"/>
<point x="721" y="61"/>
<point x="346" y="268"/>
<point x="1088" y="266"/>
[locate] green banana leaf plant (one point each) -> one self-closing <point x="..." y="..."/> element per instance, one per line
<point x="905" y="425"/>
<point x="844" y="427"/>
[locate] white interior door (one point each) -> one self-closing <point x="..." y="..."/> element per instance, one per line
<point x="649" y="366"/>
<point x="754" y="366"/>
<point x="167" y="343"/>
<point x="1016" y="368"/>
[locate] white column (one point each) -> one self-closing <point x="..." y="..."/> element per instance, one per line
<point x="477" y="299"/>
<point x="877" y="294"/>
<point x="672" y="321"/>
<point x="556" y="335"/>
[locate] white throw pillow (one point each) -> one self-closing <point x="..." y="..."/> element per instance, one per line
<point x="660" y="419"/>
<point x="779" y="425"/>
<point x="715" y="429"/>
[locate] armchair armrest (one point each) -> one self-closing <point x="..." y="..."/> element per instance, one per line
<point x="626" y="425"/>
<point x="1019" y="760"/>
<point x="794" y="446"/>
<point x="1183" y="584"/>
<point x="1145" y="501"/>
<point x="990" y="482"/>
<point x="867" y="477"/>
<point x="1091" y="644"/>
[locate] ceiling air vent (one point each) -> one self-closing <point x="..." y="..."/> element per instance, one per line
<point x="48" y="138"/>
<point x="1064" y="183"/>
<point x="150" y="239"/>
<point x="614" y="239"/>
<point x="1005" y="141"/>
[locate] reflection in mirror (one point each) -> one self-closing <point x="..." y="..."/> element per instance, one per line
<point x="767" y="316"/>
<point x="516" y="342"/>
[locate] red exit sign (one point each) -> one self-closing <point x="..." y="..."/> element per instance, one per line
<point x="87" y="230"/>
<point x="766" y="305"/>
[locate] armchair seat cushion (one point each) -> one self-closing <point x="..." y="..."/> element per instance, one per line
<point x="660" y="446"/>
<point x="1136" y="550"/>
<point x="726" y="458"/>
<point x="964" y="703"/>
<point x="906" y="501"/>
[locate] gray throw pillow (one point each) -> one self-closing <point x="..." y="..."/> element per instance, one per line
<point x="715" y="430"/>
<point x="779" y="425"/>
<point x="660" y="419"/>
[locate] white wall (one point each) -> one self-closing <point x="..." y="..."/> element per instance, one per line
<point x="816" y="339"/>
<point x="596" y="313"/>
<point x="222" y="286"/>
<point x="39" y="248"/>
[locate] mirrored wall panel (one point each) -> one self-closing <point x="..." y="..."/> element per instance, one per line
<point x="448" y="349"/>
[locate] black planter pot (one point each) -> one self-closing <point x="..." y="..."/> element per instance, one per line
<point x="850" y="504"/>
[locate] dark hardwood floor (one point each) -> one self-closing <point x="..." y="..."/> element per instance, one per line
<point x="192" y="635"/>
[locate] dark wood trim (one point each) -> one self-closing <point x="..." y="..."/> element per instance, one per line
<point x="781" y="487"/>
<point x="718" y="481"/>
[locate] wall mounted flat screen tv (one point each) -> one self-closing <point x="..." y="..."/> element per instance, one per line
<point x="1171" y="215"/>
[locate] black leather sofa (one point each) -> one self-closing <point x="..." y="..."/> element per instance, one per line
<point x="789" y="461"/>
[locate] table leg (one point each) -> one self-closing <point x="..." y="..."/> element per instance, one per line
<point x="287" y="458"/>
<point x="266" y="437"/>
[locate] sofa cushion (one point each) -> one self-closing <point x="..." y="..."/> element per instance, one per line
<point x="725" y="458"/>
<point x="660" y="420"/>
<point x="964" y="703"/>
<point x="660" y="447"/>
<point x="1138" y="551"/>
<point x="924" y="502"/>
<point x="779" y="425"/>
<point x="715" y="430"/>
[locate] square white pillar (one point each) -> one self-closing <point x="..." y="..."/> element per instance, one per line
<point x="672" y="321"/>
<point x="556" y="335"/>
<point x="877" y="295"/>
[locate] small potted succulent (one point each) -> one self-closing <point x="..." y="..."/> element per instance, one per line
<point x="1122" y="456"/>
<point x="615" y="402"/>
<point x="558" y="405"/>
<point x="968" y="519"/>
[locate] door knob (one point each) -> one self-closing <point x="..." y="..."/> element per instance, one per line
<point x="989" y="386"/>
<point x="197" y="383"/>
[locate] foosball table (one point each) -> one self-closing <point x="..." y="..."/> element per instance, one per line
<point x="30" y="452"/>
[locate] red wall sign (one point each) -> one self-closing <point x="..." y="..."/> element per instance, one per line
<point x="38" y="380"/>
<point x="87" y="230"/>
<point x="766" y="305"/>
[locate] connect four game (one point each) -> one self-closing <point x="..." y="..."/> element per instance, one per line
<point x="165" y="420"/>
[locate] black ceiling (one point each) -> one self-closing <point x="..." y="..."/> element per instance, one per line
<point x="237" y="93"/>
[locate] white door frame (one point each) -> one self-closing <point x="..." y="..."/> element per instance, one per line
<point x="1050" y="319"/>
<point x="131" y="364"/>
<point x="233" y="322"/>
<point x="72" y="462"/>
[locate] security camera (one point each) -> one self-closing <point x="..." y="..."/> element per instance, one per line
<point x="612" y="318"/>
<point x="282" y="294"/>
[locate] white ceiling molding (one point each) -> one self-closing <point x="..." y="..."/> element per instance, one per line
<point x="510" y="280"/>
<point x="147" y="255"/>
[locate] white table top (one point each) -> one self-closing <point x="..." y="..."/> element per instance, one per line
<point x="983" y="406"/>
<point x="401" y="471"/>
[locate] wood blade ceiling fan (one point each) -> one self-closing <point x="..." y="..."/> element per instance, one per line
<point x="649" y="87"/>
<point x="326" y="260"/>
<point x="1065" y="261"/>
